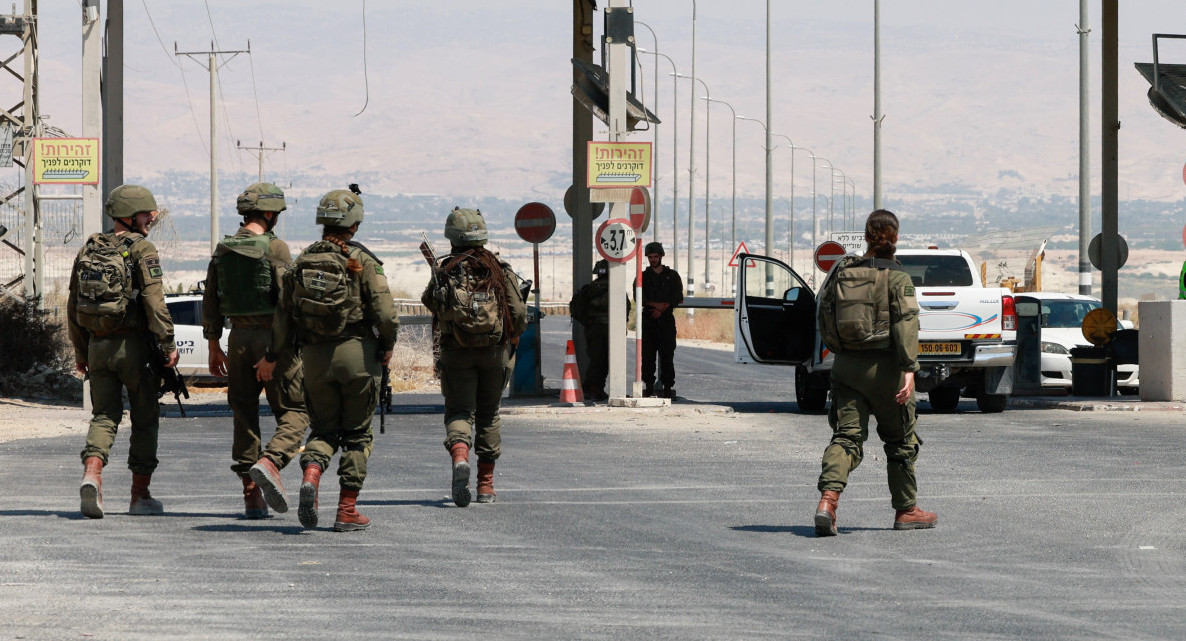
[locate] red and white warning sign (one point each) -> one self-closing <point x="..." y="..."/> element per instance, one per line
<point x="827" y="254"/>
<point x="535" y="222"/>
<point x="640" y="208"/>
<point x="741" y="249"/>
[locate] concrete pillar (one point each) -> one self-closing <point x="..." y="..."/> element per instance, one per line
<point x="1162" y="346"/>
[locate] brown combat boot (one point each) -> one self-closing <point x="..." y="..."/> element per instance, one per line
<point x="142" y="502"/>
<point x="460" y="453"/>
<point x="349" y="519"/>
<point x="486" y="493"/>
<point x="253" y="500"/>
<point x="92" y="488"/>
<point x="914" y="519"/>
<point x="267" y="475"/>
<point x="825" y="514"/>
<point x="307" y="509"/>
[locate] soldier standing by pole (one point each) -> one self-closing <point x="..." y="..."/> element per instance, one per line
<point x="243" y="283"/>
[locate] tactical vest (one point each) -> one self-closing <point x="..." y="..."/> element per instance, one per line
<point x="245" y="286"/>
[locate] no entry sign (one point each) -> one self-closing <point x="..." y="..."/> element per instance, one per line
<point x="827" y="254"/>
<point x="535" y="222"/>
<point x="640" y="208"/>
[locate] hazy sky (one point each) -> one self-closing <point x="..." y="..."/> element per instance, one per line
<point x="481" y="88"/>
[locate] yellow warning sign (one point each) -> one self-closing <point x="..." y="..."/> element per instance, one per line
<point x="66" y="161"/>
<point x="619" y="164"/>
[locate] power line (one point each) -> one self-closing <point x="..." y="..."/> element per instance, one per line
<point x="365" y="79"/>
<point x="255" y="90"/>
<point x="188" y="100"/>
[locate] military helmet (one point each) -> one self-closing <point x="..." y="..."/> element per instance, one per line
<point x="339" y="208"/>
<point x="465" y="228"/>
<point x="261" y="197"/>
<point x="601" y="268"/>
<point x="653" y="248"/>
<point x="126" y="201"/>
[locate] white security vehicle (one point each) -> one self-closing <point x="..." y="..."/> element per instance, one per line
<point x="193" y="354"/>
<point x="1062" y="330"/>
<point x="967" y="332"/>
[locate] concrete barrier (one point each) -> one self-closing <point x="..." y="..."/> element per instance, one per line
<point x="1162" y="347"/>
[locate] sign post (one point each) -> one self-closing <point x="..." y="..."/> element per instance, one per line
<point x="640" y="219"/>
<point x="535" y="223"/>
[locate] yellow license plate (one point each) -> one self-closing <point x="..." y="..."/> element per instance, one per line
<point x="939" y="348"/>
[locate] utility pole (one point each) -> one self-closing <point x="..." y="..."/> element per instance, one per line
<point x="260" y="153"/>
<point x="1084" y="152"/>
<point x="877" y="115"/>
<point x="212" y="66"/>
<point x="112" y="167"/>
<point x="92" y="109"/>
<point x="22" y="122"/>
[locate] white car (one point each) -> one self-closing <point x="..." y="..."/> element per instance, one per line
<point x="1062" y="321"/>
<point x="193" y="354"/>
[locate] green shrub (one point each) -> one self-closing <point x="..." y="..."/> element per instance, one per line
<point x="30" y="336"/>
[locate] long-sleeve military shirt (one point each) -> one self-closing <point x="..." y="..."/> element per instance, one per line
<point x="903" y="321"/>
<point x="663" y="287"/>
<point x="378" y="308"/>
<point x="147" y="310"/>
<point x="279" y="258"/>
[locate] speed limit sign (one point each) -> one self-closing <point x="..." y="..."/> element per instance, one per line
<point x="616" y="240"/>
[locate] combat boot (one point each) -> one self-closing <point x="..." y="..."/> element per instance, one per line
<point x="486" y="493"/>
<point x="253" y="500"/>
<point x="460" y="453"/>
<point x="825" y="514"/>
<point x="349" y="519"/>
<point x="914" y="519"/>
<point x="267" y="475"/>
<point x="307" y="509"/>
<point x="92" y="488"/>
<point x="142" y="502"/>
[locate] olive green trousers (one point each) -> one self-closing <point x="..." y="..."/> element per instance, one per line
<point x="472" y="381"/>
<point x="284" y="394"/>
<point x="116" y="363"/>
<point x="341" y="393"/>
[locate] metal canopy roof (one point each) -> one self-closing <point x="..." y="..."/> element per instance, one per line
<point x="1167" y="93"/>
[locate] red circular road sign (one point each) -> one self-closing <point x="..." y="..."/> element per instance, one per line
<point x="616" y="240"/>
<point x="535" y="222"/>
<point x="1184" y="236"/>
<point x="827" y="254"/>
<point x="640" y="208"/>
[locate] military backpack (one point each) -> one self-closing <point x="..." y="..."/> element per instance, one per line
<point x="245" y="284"/>
<point x="854" y="304"/>
<point x="106" y="286"/>
<point x="468" y="305"/>
<point x="322" y="294"/>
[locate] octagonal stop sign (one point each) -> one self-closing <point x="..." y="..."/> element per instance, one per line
<point x="535" y="222"/>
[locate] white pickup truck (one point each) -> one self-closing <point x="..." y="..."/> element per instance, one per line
<point x="967" y="332"/>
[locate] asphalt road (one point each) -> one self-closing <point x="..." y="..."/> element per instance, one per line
<point x="690" y="522"/>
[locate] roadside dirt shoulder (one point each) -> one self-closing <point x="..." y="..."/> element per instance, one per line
<point x="25" y="419"/>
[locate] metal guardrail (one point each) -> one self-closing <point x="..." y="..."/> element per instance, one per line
<point x="413" y="312"/>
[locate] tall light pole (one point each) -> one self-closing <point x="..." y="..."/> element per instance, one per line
<point x="674" y="155"/>
<point x="769" y="199"/>
<point x="1084" y="154"/>
<point x="877" y="115"/>
<point x="707" y="184"/>
<point x="792" y="241"/>
<point x="769" y="160"/>
<point x="812" y="154"/>
<point x="655" y="147"/>
<point x="692" y="166"/>
<point x="733" y="217"/>
<point x="831" y="190"/>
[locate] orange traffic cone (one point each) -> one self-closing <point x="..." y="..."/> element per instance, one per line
<point x="570" y="387"/>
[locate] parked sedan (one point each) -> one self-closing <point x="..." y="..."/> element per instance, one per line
<point x="1062" y="322"/>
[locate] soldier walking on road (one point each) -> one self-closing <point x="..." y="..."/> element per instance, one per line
<point x="481" y="312"/>
<point x="116" y="306"/>
<point x="336" y="300"/>
<point x="662" y="291"/>
<point x="243" y="284"/>
<point x="876" y="356"/>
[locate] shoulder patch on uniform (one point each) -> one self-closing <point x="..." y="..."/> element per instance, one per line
<point x="152" y="261"/>
<point x="156" y="272"/>
<point x="909" y="291"/>
<point x="379" y="269"/>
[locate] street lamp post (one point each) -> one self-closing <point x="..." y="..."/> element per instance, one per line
<point x="733" y="223"/>
<point x="674" y="157"/>
<point x="655" y="148"/>
<point x="692" y="166"/>
<point x="707" y="179"/>
<point x="792" y="242"/>
<point x="814" y="224"/>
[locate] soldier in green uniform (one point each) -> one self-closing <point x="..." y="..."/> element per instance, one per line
<point x="475" y="298"/>
<point x="337" y="306"/>
<point x="242" y="284"/>
<point x="116" y="306"/>
<point x="877" y="382"/>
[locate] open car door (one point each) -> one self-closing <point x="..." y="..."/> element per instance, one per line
<point x="774" y="313"/>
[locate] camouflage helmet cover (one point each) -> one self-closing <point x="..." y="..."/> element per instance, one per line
<point x="339" y="208"/>
<point x="261" y="197"/>
<point x="465" y="228"/>
<point x="653" y="248"/>
<point x="126" y="201"/>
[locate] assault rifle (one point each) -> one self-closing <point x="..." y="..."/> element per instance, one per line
<point x="431" y="257"/>
<point x="384" y="395"/>
<point x="171" y="380"/>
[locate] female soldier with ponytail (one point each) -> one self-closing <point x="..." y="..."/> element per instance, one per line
<point x="338" y="307"/>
